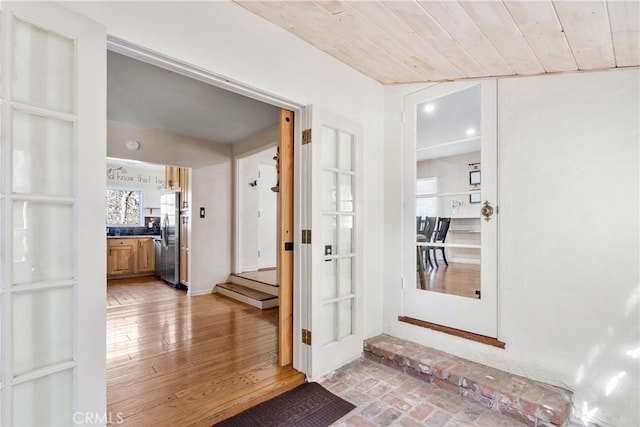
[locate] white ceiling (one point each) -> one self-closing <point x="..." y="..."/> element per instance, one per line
<point x="145" y="95"/>
<point x="424" y="40"/>
<point x="134" y="163"/>
<point x="449" y="125"/>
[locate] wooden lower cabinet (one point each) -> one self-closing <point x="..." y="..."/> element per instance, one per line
<point x="130" y="256"/>
<point x="120" y="256"/>
<point x="146" y="256"/>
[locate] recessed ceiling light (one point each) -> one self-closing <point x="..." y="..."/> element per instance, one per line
<point x="471" y="131"/>
<point x="430" y="108"/>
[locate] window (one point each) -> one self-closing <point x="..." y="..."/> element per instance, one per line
<point x="124" y="206"/>
<point x="426" y="206"/>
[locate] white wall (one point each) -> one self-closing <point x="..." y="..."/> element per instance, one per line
<point x="210" y="164"/>
<point x="224" y="38"/>
<point x="568" y="237"/>
<point x="210" y="236"/>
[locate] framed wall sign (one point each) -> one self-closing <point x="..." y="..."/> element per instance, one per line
<point x="474" y="178"/>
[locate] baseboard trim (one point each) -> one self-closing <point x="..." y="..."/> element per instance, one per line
<point x="453" y="331"/>
<point x="204" y="292"/>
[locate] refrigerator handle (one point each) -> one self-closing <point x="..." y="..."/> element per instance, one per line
<point x="165" y="239"/>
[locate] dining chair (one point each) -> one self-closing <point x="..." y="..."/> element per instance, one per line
<point x="439" y="236"/>
<point x="424" y="235"/>
<point x="421" y="223"/>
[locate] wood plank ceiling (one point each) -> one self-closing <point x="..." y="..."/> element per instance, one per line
<point x="418" y="41"/>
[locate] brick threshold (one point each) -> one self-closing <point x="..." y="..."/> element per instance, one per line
<point x="530" y="402"/>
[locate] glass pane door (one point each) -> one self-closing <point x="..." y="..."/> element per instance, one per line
<point x="448" y="194"/>
<point x="52" y="95"/>
<point x="53" y="145"/>
<point x="450" y="176"/>
<point x="38" y="203"/>
<point x="336" y="245"/>
<point x="337" y="235"/>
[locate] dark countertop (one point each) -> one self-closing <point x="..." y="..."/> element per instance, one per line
<point x="143" y="236"/>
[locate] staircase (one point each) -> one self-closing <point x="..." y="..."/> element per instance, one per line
<point x="253" y="288"/>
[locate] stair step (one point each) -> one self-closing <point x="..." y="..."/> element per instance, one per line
<point x="261" y="286"/>
<point x="525" y="400"/>
<point x="247" y="295"/>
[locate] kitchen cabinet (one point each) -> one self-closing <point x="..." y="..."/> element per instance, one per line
<point x="172" y="177"/>
<point x="146" y="256"/>
<point x="130" y="256"/>
<point x="184" y="187"/>
<point x="120" y="256"/>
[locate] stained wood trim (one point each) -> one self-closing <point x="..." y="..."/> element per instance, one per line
<point x="453" y="331"/>
<point x="285" y="234"/>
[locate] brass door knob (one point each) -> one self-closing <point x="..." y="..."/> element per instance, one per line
<point x="487" y="211"/>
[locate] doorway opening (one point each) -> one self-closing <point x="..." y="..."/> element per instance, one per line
<point x="257" y="215"/>
<point x="147" y="221"/>
<point x="186" y="344"/>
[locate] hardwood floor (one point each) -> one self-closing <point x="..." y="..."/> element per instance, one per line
<point x="456" y="279"/>
<point x="174" y="360"/>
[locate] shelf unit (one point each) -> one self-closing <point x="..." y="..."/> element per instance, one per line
<point x="463" y="240"/>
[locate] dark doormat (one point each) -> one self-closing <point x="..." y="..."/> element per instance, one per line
<point x="308" y="405"/>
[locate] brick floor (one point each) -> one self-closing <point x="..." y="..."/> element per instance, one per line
<point x="530" y="402"/>
<point x="386" y="397"/>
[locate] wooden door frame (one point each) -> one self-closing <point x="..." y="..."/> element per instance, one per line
<point x="285" y="237"/>
<point x="288" y="316"/>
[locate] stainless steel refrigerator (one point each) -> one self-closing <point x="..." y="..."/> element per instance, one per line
<point x="170" y="232"/>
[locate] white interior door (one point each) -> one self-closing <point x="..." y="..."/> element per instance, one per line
<point x="53" y="95"/>
<point x="451" y="179"/>
<point x="267" y="216"/>
<point x="335" y="258"/>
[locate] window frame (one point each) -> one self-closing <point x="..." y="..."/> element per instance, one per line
<point x="141" y="216"/>
<point x="431" y="196"/>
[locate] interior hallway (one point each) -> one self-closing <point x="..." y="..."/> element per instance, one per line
<point x="174" y="360"/>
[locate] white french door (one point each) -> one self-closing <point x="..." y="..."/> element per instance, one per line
<point x="333" y="176"/>
<point x="450" y="181"/>
<point x="53" y="113"/>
